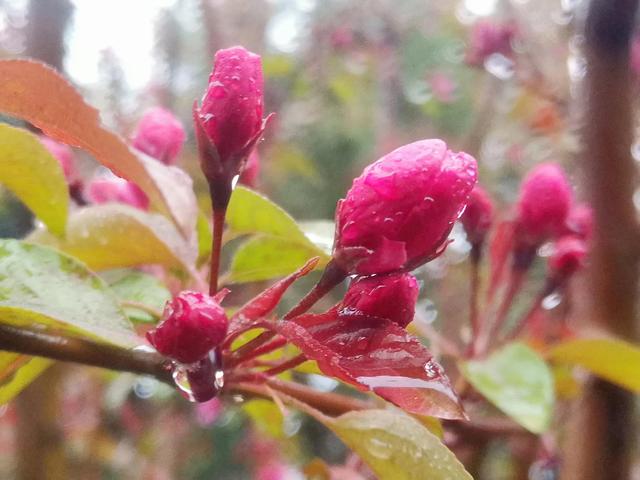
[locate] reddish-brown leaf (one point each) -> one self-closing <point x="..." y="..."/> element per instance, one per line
<point x="38" y="94"/>
<point x="378" y="355"/>
<point x="265" y="302"/>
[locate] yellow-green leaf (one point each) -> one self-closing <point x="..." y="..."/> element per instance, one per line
<point x="114" y="236"/>
<point x="17" y="371"/>
<point x="42" y="287"/>
<point x="614" y="360"/>
<point x="517" y="381"/>
<point x="265" y="257"/>
<point x="396" y="446"/>
<point x="34" y="176"/>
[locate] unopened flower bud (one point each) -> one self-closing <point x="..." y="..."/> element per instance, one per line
<point x="192" y="324"/>
<point x="392" y="297"/>
<point x="160" y="135"/>
<point x="399" y="212"/>
<point x="569" y="254"/>
<point x="229" y="122"/>
<point x="488" y="38"/>
<point x="478" y="215"/>
<point x="580" y="221"/>
<point x="64" y="155"/>
<point x="116" y="190"/>
<point x="543" y="205"/>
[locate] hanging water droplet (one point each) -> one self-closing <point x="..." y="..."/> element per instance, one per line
<point x="636" y="199"/>
<point x="546" y="250"/>
<point x="144" y="349"/>
<point x="179" y="375"/>
<point x="499" y="66"/>
<point x="432" y="369"/>
<point x="291" y="424"/>
<point x="219" y="379"/>
<point x="551" y="301"/>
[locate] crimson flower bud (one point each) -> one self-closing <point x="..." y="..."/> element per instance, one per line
<point x="543" y="205"/>
<point x="192" y="324"/>
<point x="487" y="38"/>
<point x="399" y="212"/>
<point x="568" y="256"/>
<point x="580" y="221"/>
<point x="116" y="190"/>
<point x="64" y="155"/>
<point x="249" y="176"/>
<point x="392" y="297"/>
<point x="229" y="122"/>
<point x="478" y="215"/>
<point x="160" y="135"/>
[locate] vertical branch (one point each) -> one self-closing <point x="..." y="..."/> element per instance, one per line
<point x="601" y="429"/>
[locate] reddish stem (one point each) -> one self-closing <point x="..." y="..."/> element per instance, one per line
<point x="216" y="248"/>
<point x="474" y="293"/>
<point x="332" y="276"/>
<point x="526" y="319"/>
<point x="286" y="365"/>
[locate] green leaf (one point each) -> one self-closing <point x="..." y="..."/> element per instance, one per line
<point x="17" y="371"/>
<point x="39" y="286"/>
<point x="279" y="244"/>
<point x="205" y="236"/>
<point x="614" y="360"/>
<point x="138" y="287"/>
<point x="114" y="236"/>
<point x="320" y="233"/>
<point x="265" y="257"/>
<point x="34" y="176"/>
<point x="249" y="212"/>
<point x="396" y="446"/>
<point x="517" y="381"/>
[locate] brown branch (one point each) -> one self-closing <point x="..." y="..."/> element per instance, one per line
<point x="601" y="427"/>
<point x="87" y="352"/>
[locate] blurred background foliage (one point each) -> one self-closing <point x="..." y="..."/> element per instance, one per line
<point x="348" y="80"/>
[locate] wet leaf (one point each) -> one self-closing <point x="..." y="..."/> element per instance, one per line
<point x="378" y="355"/>
<point x="34" y="176"/>
<point x="395" y="446"/>
<point x="205" y="236"/>
<point x="140" y="288"/>
<point x="63" y="115"/>
<point x="517" y="381"/>
<point x="114" y="236"/>
<point x="39" y="286"/>
<point x="17" y="371"/>
<point x="264" y="257"/>
<point x="321" y="233"/>
<point x="614" y="360"/>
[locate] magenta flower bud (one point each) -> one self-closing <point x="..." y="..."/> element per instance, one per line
<point x="580" y="221"/>
<point x="487" y="38"/>
<point x="192" y="325"/>
<point x="229" y="122"/>
<point x="64" y="155"/>
<point x="543" y="205"/>
<point x="399" y="212"/>
<point x="116" y="190"/>
<point x="160" y="135"/>
<point x="569" y="254"/>
<point x="249" y="176"/>
<point x="392" y="297"/>
<point x="478" y="216"/>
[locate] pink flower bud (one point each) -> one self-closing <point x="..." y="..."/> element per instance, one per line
<point x="487" y="38"/>
<point x="229" y="122"/>
<point x="192" y="325"/>
<point x="543" y="205"/>
<point x="64" y="155"/>
<point x="569" y="253"/>
<point x="392" y="297"/>
<point x="478" y="215"/>
<point x="116" y="190"/>
<point x="249" y="175"/>
<point x="580" y="221"/>
<point x="399" y="212"/>
<point x="160" y="135"/>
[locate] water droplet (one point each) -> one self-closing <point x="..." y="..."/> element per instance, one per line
<point x="145" y="387"/>
<point x="636" y="199"/>
<point x="551" y="301"/>
<point x="432" y="369"/>
<point x="179" y="375"/>
<point x="428" y="311"/>
<point x="378" y="448"/>
<point x="219" y="379"/>
<point x="499" y="66"/>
